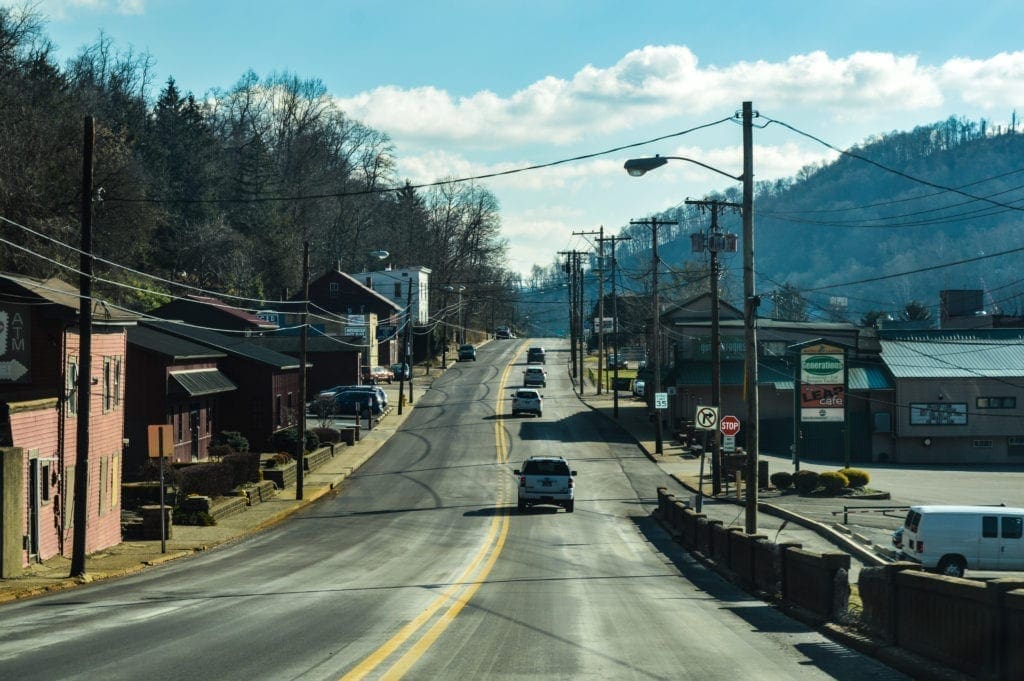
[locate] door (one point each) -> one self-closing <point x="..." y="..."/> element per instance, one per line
<point x="991" y="545"/>
<point x="193" y="429"/>
<point x="1011" y="556"/>
<point x="34" y="504"/>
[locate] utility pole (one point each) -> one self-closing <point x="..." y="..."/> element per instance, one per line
<point x="405" y="353"/>
<point x="751" y="303"/>
<point x="81" y="482"/>
<point x="615" y="324"/>
<point x="303" y="342"/>
<point x="600" y="303"/>
<point x="714" y="242"/>
<point x="570" y="273"/>
<point x="575" y="273"/>
<point x="655" y="323"/>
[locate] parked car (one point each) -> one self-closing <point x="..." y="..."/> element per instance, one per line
<point x="535" y="376"/>
<point x="536" y="354"/>
<point x="401" y="371"/>
<point x="467" y="352"/>
<point x="616" y="361"/>
<point x="638" y="388"/>
<point x="527" y="401"/>
<point x="374" y="375"/>
<point x="351" y="402"/>
<point x="546" y="480"/>
<point x="953" y="539"/>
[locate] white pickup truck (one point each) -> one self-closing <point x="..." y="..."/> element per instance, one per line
<point x="546" y="480"/>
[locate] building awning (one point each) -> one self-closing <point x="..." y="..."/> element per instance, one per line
<point x="199" y="382"/>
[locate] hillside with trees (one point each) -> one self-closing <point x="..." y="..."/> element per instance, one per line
<point x="217" y="192"/>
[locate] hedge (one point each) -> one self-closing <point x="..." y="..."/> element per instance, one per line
<point x="206" y="479"/>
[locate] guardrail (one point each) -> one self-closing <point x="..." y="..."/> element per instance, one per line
<point x="847" y="510"/>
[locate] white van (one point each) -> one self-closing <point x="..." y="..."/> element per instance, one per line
<point x="952" y="539"/>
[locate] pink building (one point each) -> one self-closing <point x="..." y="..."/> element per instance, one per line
<point x="40" y="363"/>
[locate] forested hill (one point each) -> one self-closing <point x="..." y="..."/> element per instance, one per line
<point x="901" y="202"/>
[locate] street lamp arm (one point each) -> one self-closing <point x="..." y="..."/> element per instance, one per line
<point x="639" y="166"/>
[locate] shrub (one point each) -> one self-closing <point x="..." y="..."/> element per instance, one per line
<point x="231" y="438"/>
<point x="834" y="482"/>
<point x="856" y="476"/>
<point x="245" y="467"/>
<point x="207" y="479"/>
<point x="183" y="517"/>
<point x="805" y="481"/>
<point x="781" y="479"/>
<point x="219" y="451"/>
<point x="285" y="440"/>
<point x="327" y="434"/>
<point x="279" y="459"/>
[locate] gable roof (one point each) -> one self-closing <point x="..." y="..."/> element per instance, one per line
<point x="62" y="294"/>
<point x="194" y="308"/>
<point x="236" y="346"/>
<point x="349" y="280"/>
<point x="166" y="344"/>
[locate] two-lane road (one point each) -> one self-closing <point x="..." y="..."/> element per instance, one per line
<point x="421" y="567"/>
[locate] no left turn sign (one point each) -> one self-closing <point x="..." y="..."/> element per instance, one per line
<point x="707" y="418"/>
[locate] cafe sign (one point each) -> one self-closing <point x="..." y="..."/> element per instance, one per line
<point x="822" y="383"/>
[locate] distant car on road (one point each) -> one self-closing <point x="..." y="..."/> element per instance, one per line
<point x="616" y="361"/>
<point x="401" y="371"/>
<point x="546" y="480"/>
<point x="527" y="401"/>
<point x="535" y="376"/>
<point x="536" y="354"/>
<point x="467" y="352"/>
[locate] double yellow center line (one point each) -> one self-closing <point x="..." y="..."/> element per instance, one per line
<point x="457" y="596"/>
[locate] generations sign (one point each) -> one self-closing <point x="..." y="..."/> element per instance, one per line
<point x="822" y="383"/>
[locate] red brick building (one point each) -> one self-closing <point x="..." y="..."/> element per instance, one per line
<point x="40" y="362"/>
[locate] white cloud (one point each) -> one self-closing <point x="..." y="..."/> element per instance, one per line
<point x="657" y="83"/>
<point x="59" y="10"/>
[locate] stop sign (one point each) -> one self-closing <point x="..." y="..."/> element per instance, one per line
<point x="730" y="425"/>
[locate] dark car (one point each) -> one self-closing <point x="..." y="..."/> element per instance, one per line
<point x="467" y="352"/>
<point x="536" y="354"/>
<point x="351" y="402"/>
<point x="401" y="371"/>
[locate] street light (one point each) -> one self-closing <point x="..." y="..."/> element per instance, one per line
<point x="639" y="166"/>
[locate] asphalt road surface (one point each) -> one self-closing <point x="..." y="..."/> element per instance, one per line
<point x="422" y="568"/>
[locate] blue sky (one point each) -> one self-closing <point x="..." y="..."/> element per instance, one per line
<point x="465" y="88"/>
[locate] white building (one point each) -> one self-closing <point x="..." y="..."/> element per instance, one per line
<point x="394" y="285"/>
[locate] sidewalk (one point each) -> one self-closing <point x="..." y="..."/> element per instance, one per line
<point x="810" y="521"/>
<point x="133" y="556"/>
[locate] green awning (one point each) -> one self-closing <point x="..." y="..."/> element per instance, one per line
<point x="198" y="383"/>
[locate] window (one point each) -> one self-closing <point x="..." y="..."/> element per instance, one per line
<point x="179" y="418"/>
<point x="989" y="526"/>
<point x="278" y="410"/>
<point x="118" y="366"/>
<point x="333" y="289"/>
<point x="71" y="386"/>
<point x="398" y="289"/>
<point x="210" y="403"/>
<point x="45" y="470"/>
<point x="108" y="384"/>
<point x="982" y="444"/>
<point x="996" y="402"/>
<point x="1012" y="526"/>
